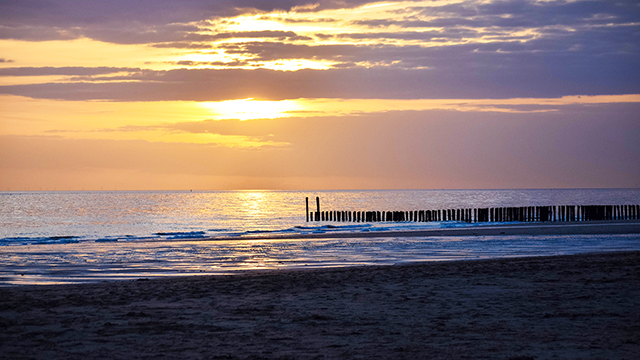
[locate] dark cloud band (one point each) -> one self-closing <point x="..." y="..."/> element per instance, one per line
<point x="215" y="85"/>
<point x="71" y="71"/>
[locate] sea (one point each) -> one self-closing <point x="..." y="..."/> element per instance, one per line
<point x="56" y="237"/>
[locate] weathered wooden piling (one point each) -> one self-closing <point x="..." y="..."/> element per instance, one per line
<point x="563" y="213"/>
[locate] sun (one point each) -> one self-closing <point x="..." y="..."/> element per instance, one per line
<point x="249" y="109"/>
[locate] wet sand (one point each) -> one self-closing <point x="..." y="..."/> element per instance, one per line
<point x="566" y="307"/>
<point x="549" y="228"/>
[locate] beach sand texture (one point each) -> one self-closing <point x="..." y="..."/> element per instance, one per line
<point x="567" y="307"/>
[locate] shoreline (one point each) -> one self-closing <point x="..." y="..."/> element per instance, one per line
<point x="91" y="262"/>
<point x="569" y="306"/>
<point x="612" y="227"/>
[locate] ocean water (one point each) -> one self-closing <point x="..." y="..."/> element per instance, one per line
<point x="58" y="237"/>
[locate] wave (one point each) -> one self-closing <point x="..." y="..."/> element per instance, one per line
<point x="237" y="233"/>
<point x="183" y="235"/>
<point x="39" y="240"/>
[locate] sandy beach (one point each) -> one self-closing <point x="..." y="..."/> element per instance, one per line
<point x="567" y="307"/>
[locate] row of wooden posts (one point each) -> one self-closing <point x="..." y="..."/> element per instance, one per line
<point x="502" y="214"/>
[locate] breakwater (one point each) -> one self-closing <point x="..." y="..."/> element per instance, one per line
<point x="501" y="214"/>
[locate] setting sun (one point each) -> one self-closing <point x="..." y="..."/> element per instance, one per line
<point x="248" y="109"/>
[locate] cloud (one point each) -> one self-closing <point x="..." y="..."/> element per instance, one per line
<point x="256" y="34"/>
<point x="447" y="34"/>
<point x="183" y="45"/>
<point x="259" y="129"/>
<point x="469" y="49"/>
<point x="466" y="71"/>
<point x="166" y="21"/>
<point x="514" y="14"/>
<point x="3" y="60"/>
<point x="124" y="21"/>
<point x="77" y="71"/>
<point x="306" y="21"/>
<point x="76" y="13"/>
<point x="145" y="34"/>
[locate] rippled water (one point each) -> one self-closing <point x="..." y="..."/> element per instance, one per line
<point x="54" y="237"/>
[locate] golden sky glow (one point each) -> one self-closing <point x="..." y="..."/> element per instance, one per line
<point x="143" y="73"/>
<point x="85" y="52"/>
<point x="136" y="120"/>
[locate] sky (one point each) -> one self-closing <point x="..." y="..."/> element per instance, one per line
<point x="328" y="94"/>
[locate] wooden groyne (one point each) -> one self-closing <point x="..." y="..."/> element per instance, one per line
<point x="501" y="214"/>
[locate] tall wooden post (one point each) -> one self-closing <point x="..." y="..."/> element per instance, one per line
<point x="318" y="210"/>
<point x="307" y="201"/>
